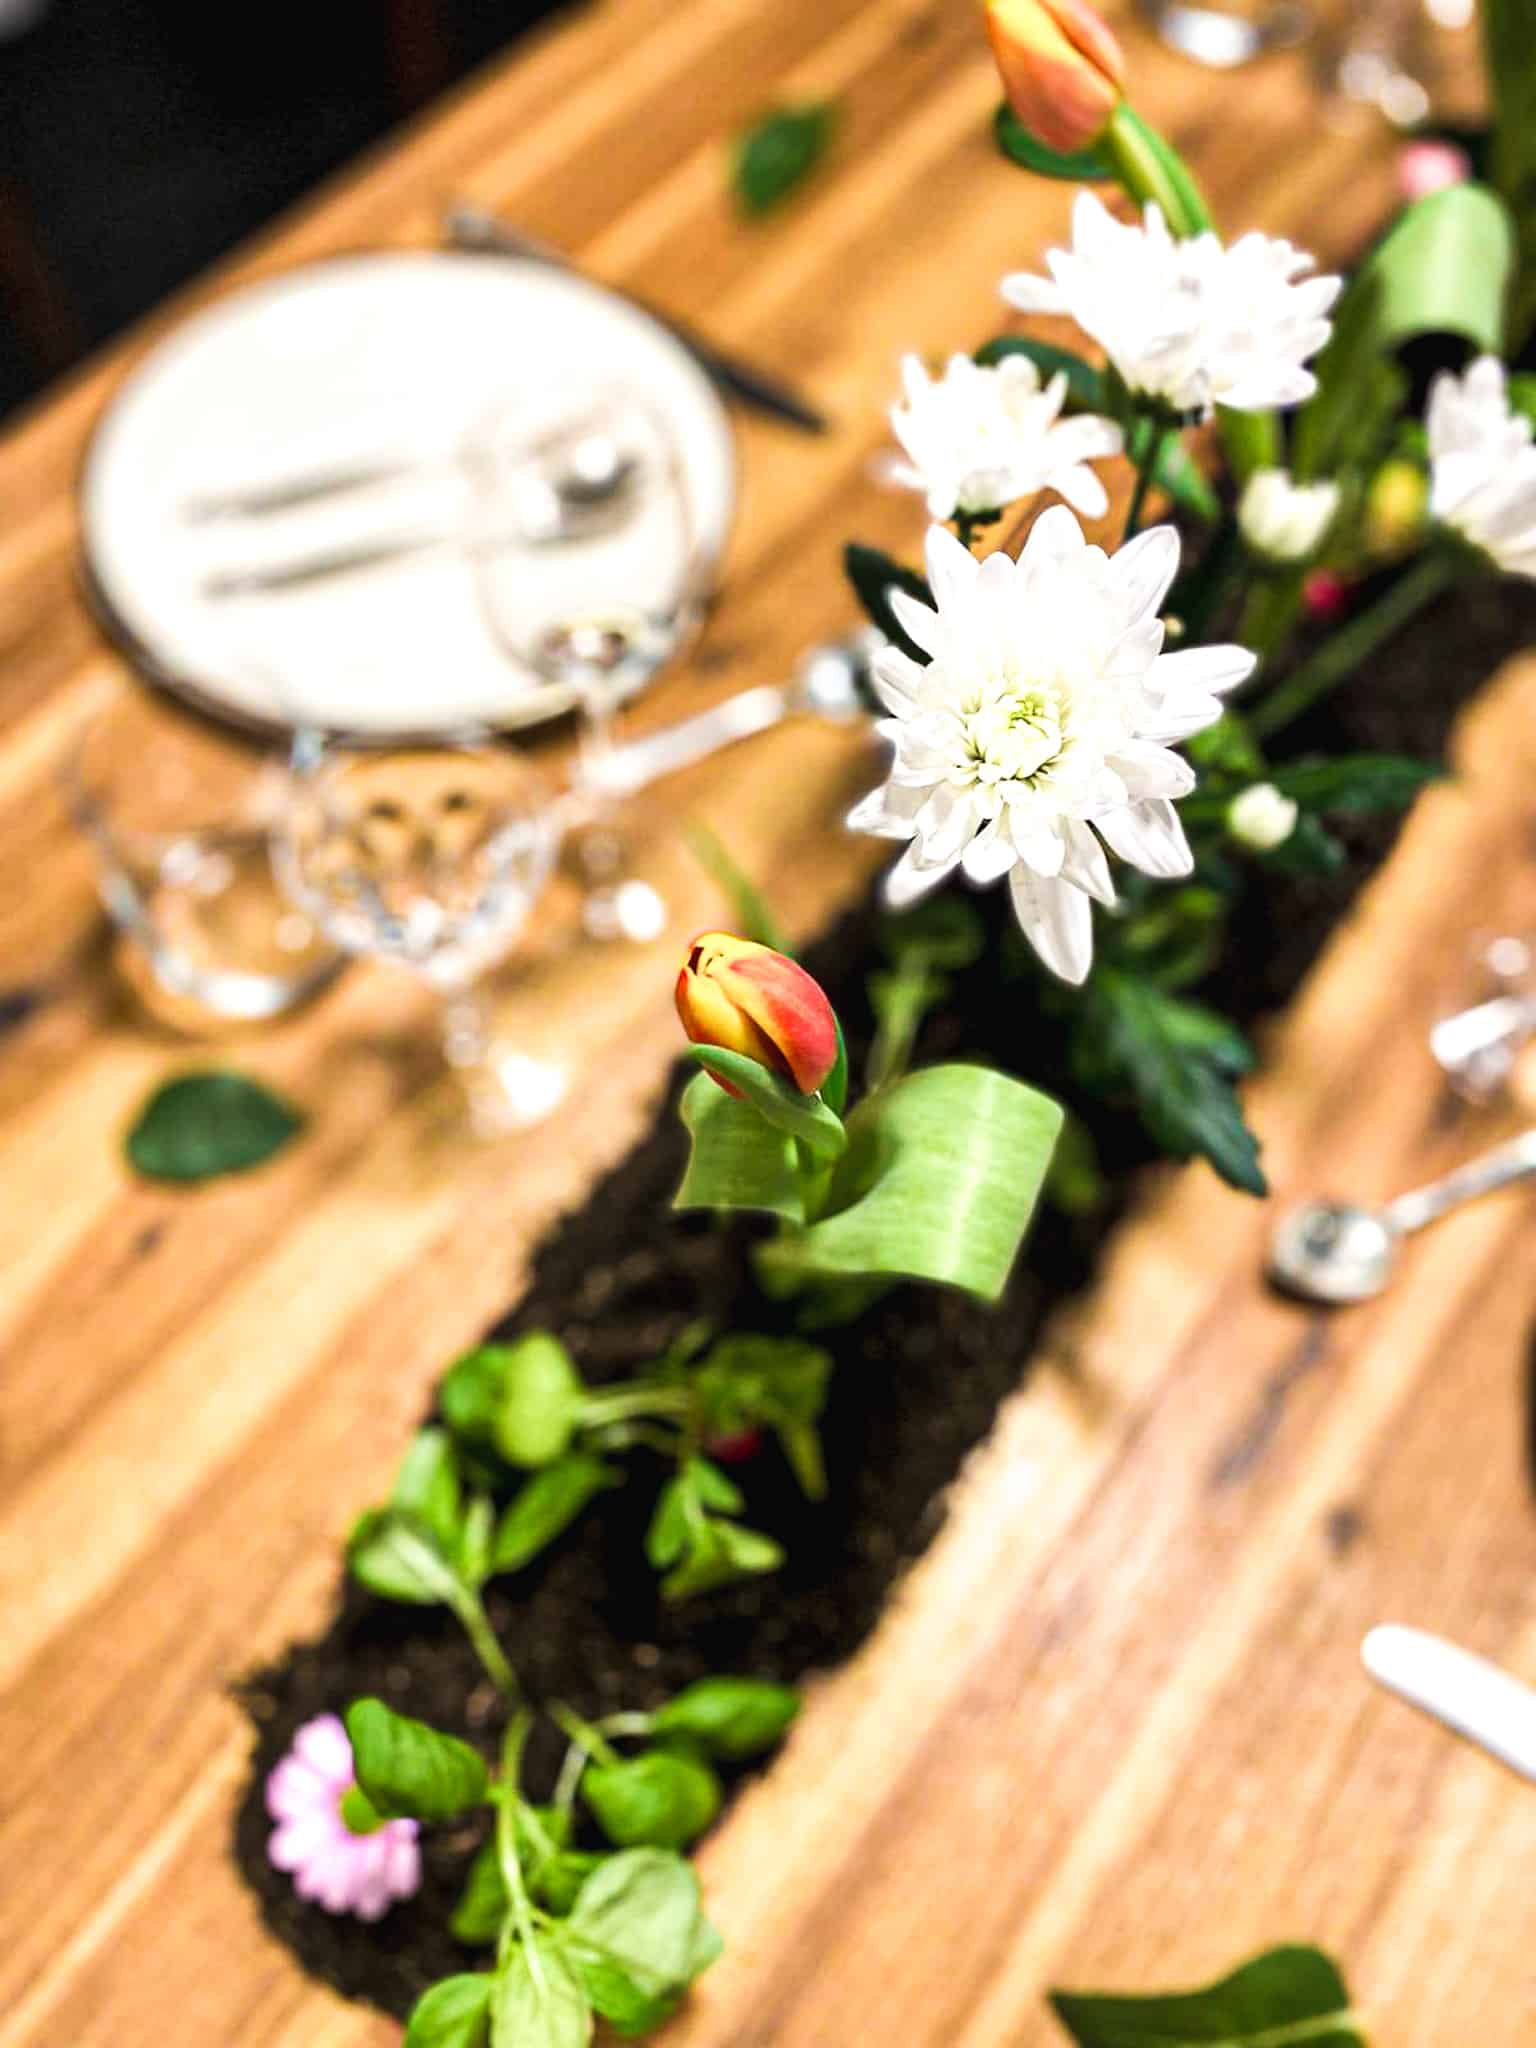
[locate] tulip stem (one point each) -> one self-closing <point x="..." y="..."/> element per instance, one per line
<point x="1336" y="658"/>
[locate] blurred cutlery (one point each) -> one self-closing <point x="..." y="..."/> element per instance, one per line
<point x="825" y="685"/>
<point x="475" y="228"/>
<point x="1339" y="1252"/>
<point x="1468" y="1694"/>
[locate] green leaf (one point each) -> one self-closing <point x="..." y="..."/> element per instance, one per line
<point x="483" y="1904"/>
<point x="750" y="915"/>
<point x="393" y="1556"/>
<point x="1356" y="784"/>
<point x="718" y="1554"/>
<point x="680" y="1508"/>
<point x="1442" y="269"/>
<point x="469" y="1393"/>
<point x="205" y="1124"/>
<point x="939" y="1183"/>
<point x="1282" y="1999"/>
<point x="427" y="1490"/>
<point x="559" y="1880"/>
<point x="732" y="1717"/>
<point x="746" y="1381"/>
<point x="805" y="1118"/>
<point x="454" y="2014"/>
<point x="1179" y="1062"/>
<point x="547" y="1505"/>
<point x="410" y="1770"/>
<point x="661" y="1799"/>
<point x="638" y="1937"/>
<point x="1508" y="32"/>
<point x="539" y="2002"/>
<point x="1085" y="382"/>
<point x="472" y="1553"/>
<point x="737" y="1161"/>
<point x="873" y="573"/>
<point x="540" y="1401"/>
<point x="1075" y="167"/>
<point x="711" y="1486"/>
<point x="778" y="151"/>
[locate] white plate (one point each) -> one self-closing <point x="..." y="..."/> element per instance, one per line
<point x="393" y="355"/>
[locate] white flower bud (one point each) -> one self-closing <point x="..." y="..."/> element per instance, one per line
<point x="1282" y="520"/>
<point x="1260" y="818"/>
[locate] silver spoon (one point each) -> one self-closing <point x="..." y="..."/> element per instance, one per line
<point x="826" y="684"/>
<point x="1340" y="1252"/>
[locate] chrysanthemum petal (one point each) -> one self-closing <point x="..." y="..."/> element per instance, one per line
<point x="1057" y="920"/>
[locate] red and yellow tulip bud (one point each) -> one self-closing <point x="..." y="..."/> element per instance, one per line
<point x="1062" y="70"/>
<point x="752" y="1000"/>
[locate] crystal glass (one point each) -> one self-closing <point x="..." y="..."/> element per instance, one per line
<point x="629" y="595"/>
<point x="178" y="811"/>
<point x="432" y="856"/>
<point x="1228" y="32"/>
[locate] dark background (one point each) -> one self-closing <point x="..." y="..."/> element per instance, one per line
<point x="140" y="139"/>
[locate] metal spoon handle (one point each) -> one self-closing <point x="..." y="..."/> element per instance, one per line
<point x="638" y="762"/>
<point x="1496" y="1169"/>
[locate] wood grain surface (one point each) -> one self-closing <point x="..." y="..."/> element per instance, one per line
<point x="1114" y="1728"/>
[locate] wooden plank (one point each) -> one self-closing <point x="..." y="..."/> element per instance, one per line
<point x="1122" y="1686"/>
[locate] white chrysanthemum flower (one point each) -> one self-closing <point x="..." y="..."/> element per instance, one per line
<point x="1189" y="323"/>
<point x="979" y="437"/>
<point x="1482" y="465"/>
<point x="1041" y="726"/>
<point x="1282" y="519"/>
<point x="1261" y="818"/>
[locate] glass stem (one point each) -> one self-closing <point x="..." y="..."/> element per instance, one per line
<point x="466" y="1022"/>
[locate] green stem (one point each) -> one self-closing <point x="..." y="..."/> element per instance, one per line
<point x="1150" y="168"/>
<point x="508" y="1861"/>
<point x="1336" y="658"/>
<point x="1144" y="473"/>
<point x="470" y="1610"/>
<point x="646" y="1399"/>
<point x="582" y="1733"/>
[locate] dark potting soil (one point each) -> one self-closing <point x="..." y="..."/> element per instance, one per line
<point x="919" y="1377"/>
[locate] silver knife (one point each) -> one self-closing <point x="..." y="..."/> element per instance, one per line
<point x="475" y="228"/>
<point x="1468" y="1694"/>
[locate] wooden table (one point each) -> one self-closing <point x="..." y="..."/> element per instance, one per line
<point x="1114" y="1728"/>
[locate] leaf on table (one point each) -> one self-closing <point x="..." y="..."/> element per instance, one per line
<point x="873" y="575"/>
<point x="1179" y="1061"/>
<point x="410" y="1770"/>
<point x="778" y="151"/>
<point x="455" y="2013"/>
<point x="1286" y="1998"/>
<point x="201" y="1125"/>
<point x="939" y="1182"/>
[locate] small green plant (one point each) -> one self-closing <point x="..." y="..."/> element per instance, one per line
<point x="613" y="1931"/>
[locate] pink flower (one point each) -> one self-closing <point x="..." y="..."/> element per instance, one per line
<point x="341" y="1871"/>
<point x="1326" y="595"/>
<point x="1425" y="167"/>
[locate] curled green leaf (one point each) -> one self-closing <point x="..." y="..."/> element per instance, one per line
<point x="410" y="1770"/>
